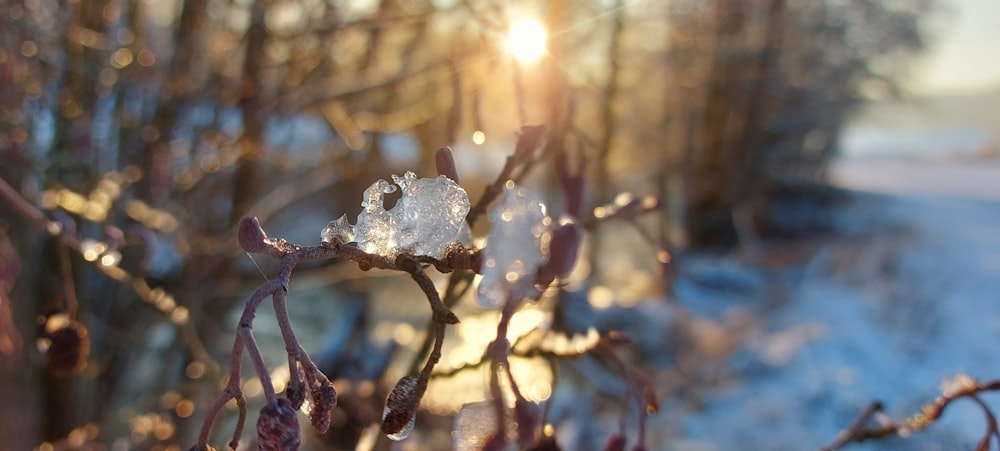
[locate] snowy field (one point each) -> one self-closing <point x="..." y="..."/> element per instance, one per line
<point x="906" y="295"/>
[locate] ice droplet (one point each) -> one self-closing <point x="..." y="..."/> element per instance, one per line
<point x="404" y="432"/>
<point x="401" y="404"/>
<point x="517" y="245"/>
<point x="428" y="217"/>
<point x="338" y="228"/>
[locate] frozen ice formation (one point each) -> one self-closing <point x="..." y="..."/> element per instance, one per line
<point x="517" y="245"/>
<point x="428" y="218"/>
<point x="339" y="228"/>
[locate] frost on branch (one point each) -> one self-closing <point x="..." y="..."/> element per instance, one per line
<point x="518" y="244"/>
<point x="428" y="218"/>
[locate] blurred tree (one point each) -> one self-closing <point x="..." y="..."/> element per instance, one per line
<point x="156" y="125"/>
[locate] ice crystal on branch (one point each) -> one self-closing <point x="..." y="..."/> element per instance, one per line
<point x="428" y="218"/>
<point x="518" y="244"/>
<point x="340" y="229"/>
<point x="430" y="215"/>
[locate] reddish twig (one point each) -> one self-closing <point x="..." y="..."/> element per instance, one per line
<point x="961" y="386"/>
<point x="252" y="238"/>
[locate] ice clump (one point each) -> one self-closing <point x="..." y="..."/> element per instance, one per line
<point x="340" y="229"/>
<point x="377" y="229"/>
<point x="430" y="215"/>
<point x="427" y="219"/>
<point x="517" y="245"/>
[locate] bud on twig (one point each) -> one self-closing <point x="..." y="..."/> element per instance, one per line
<point x="296" y="393"/>
<point x="324" y="398"/>
<point x="446" y="164"/>
<point x="251" y="236"/>
<point x="563" y="251"/>
<point x="278" y="427"/>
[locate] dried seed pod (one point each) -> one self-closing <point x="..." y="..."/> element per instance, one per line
<point x="278" y="427"/>
<point x="324" y="398"/>
<point x="69" y="347"/>
<point x="400" y="410"/>
<point x="296" y="393"/>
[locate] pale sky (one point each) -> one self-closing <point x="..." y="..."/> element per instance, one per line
<point x="965" y="54"/>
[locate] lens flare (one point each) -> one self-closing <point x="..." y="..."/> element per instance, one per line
<point x="527" y="40"/>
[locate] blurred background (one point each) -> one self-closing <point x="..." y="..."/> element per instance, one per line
<point x="827" y="175"/>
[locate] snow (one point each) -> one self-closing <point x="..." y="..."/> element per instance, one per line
<point x="516" y="246"/>
<point x="974" y="178"/>
<point x="894" y="308"/>
<point x="900" y="298"/>
<point x="426" y="220"/>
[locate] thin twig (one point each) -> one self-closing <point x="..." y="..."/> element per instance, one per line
<point x="961" y="386"/>
<point x="849" y="432"/>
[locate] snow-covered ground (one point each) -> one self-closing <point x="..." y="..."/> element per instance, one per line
<point x="905" y="296"/>
<point x="966" y="178"/>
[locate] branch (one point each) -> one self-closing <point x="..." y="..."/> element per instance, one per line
<point x="960" y="386"/>
<point x="529" y="140"/>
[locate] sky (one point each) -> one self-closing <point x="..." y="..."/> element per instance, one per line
<point x="965" y="54"/>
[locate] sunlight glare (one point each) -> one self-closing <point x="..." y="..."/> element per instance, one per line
<point x="527" y="40"/>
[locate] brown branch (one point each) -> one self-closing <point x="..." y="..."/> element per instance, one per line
<point x="851" y="431"/>
<point x="961" y="386"/>
<point x="441" y="313"/>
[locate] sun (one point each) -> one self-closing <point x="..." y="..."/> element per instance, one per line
<point x="527" y="40"/>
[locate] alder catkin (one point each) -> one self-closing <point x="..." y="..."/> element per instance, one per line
<point x="401" y="408"/>
<point x="296" y="393"/>
<point x="324" y="398"/>
<point x="278" y="427"/>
